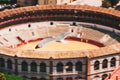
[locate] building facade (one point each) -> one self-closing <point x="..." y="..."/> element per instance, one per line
<point x="59" y="2"/>
<point x="64" y="65"/>
<point x="27" y="2"/>
<point x="53" y="2"/>
<point x="42" y="2"/>
<point x="47" y="2"/>
<point x="60" y="69"/>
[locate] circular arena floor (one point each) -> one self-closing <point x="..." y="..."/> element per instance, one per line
<point x="68" y="45"/>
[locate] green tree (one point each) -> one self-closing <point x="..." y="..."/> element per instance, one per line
<point x="114" y="2"/>
<point x="14" y="77"/>
<point x="2" y="76"/>
<point x="106" y="3"/>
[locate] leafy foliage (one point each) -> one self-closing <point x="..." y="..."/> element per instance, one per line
<point x="14" y="77"/>
<point x="106" y="3"/>
<point x="11" y="77"/>
<point x="109" y="3"/>
<point x="114" y="2"/>
<point x="2" y="76"/>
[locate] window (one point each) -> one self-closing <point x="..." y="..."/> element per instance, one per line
<point x="24" y="66"/>
<point x="105" y="63"/>
<point x="113" y="62"/>
<point x="69" y="66"/>
<point x="45" y="1"/>
<point x="78" y="66"/>
<point x="34" y="78"/>
<point x="59" y="67"/>
<point x="43" y="79"/>
<point x="42" y="67"/>
<point x="97" y="77"/>
<point x="35" y="2"/>
<point x="9" y="64"/>
<point x="2" y="62"/>
<point x="59" y="78"/>
<point x="104" y="76"/>
<point x="26" y="2"/>
<point x="78" y="78"/>
<point x="33" y="67"/>
<point x="69" y="78"/>
<point x="96" y="65"/>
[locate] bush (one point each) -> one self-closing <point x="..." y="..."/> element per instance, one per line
<point x="14" y="77"/>
<point x="106" y="3"/>
<point x="2" y="76"/>
<point x="109" y="3"/>
<point x="11" y="77"/>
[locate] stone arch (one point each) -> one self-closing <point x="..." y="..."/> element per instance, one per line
<point x="60" y="79"/>
<point x="69" y="66"/>
<point x="78" y="78"/>
<point x="105" y="63"/>
<point x="33" y="67"/>
<point x="43" y="67"/>
<point x="9" y="64"/>
<point x="97" y="77"/>
<point x="42" y="79"/>
<point x="104" y="76"/>
<point x="2" y="62"/>
<point x="24" y="66"/>
<point x="78" y="66"/>
<point x="59" y="67"/>
<point x="69" y="78"/>
<point x="113" y="62"/>
<point x="45" y="2"/>
<point x="96" y="65"/>
<point x="34" y="78"/>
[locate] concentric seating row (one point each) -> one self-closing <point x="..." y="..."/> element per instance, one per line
<point x="97" y="15"/>
<point x="25" y="35"/>
<point x="28" y="34"/>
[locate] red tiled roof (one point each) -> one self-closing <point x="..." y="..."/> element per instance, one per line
<point x="75" y="7"/>
<point x="115" y="75"/>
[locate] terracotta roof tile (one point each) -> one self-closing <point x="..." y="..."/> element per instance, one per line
<point x="77" y="7"/>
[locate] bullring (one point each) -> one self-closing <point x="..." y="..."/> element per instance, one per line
<point x="59" y="65"/>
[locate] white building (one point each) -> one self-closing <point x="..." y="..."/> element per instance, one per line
<point x="58" y="2"/>
<point x="87" y="2"/>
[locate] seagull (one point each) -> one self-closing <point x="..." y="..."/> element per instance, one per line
<point x="59" y="38"/>
<point x="44" y="41"/>
<point x="62" y="36"/>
